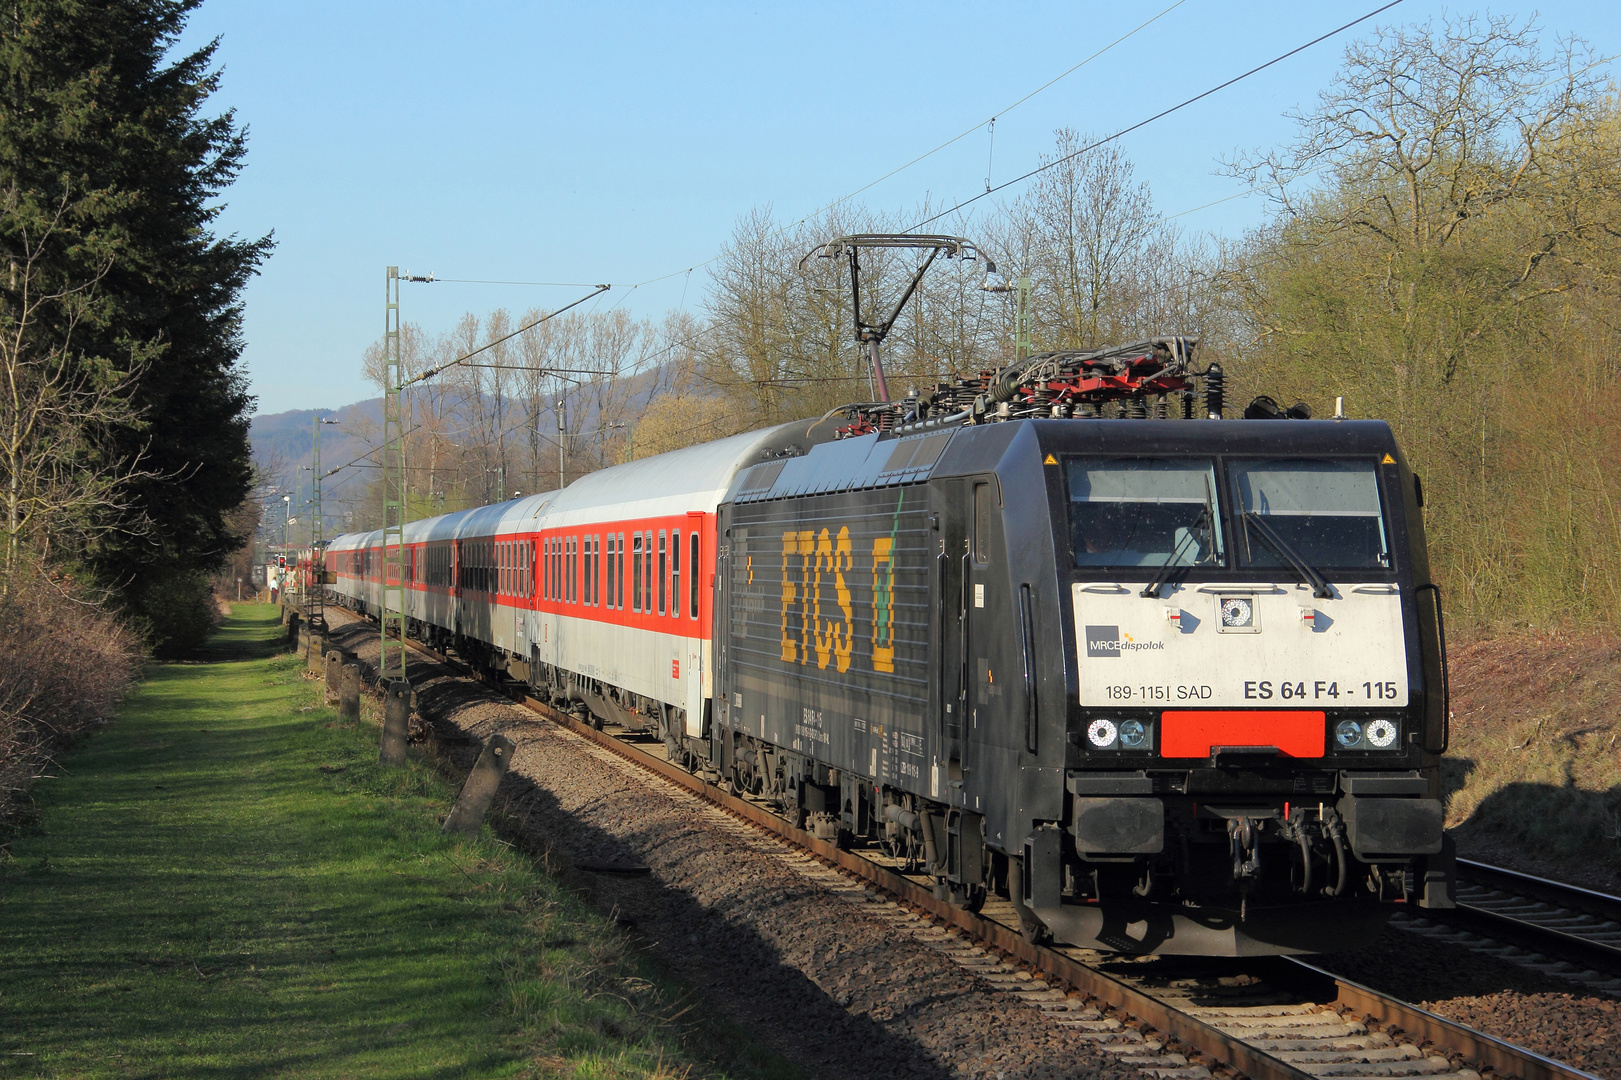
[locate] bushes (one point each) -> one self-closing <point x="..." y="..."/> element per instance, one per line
<point x="64" y="664"/>
<point x="176" y="613"/>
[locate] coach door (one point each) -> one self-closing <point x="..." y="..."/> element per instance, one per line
<point x="691" y="577"/>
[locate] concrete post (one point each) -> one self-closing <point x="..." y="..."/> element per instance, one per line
<point x="349" y="695"/>
<point x="479" y="791"/>
<point x="317" y="650"/>
<point x="334" y="674"/>
<point x="396" y="723"/>
<point x="292" y="629"/>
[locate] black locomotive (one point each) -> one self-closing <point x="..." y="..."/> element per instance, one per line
<point x="1173" y="685"/>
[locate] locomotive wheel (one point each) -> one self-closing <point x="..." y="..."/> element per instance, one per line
<point x="969" y="897"/>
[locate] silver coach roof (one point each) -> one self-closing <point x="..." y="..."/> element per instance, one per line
<point x="666" y="483"/>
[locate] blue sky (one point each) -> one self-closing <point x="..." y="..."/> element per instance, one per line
<point x="621" y="142"/>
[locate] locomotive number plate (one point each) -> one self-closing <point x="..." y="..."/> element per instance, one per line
<point x="1282" y="648"/>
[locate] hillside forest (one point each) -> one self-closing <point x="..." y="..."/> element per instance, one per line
<point x="1441" y="250"/>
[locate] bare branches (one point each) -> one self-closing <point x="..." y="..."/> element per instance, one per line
<point x="57" y="405"/>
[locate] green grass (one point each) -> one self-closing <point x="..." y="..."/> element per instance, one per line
<point x="222" y="883"/>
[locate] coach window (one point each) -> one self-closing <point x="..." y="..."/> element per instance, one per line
<point x="675" y="574"/>
<point x="636" y="572"/>
<point x="608" y="576"/>
<point x="662" y="582"/>
<point x="573" y="569"/>
<point x="647" y="572"/>
<point x="619" y="573"/>
<point x="692" y="578"/>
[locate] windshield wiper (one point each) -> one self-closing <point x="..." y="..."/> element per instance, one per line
<point x="1153" y="587"/>
<point x="1320" y="586"/>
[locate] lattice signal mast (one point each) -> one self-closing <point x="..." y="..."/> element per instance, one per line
<point x="391" y="659"/>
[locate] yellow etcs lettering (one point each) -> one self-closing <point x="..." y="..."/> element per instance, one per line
<point x="814" y="564"/>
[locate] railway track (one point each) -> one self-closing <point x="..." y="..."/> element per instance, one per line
<point x="1544" y="925"/>
<point x="1271" y="1019"/>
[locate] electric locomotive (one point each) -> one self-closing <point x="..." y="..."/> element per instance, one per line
<point x="1171" y="684"/>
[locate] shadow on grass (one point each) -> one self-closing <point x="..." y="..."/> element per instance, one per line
<point x="197" y="902"/>
<point x="1564" y="821"/>
<point x="244" y="635"/>
<point x="714" y="947"/>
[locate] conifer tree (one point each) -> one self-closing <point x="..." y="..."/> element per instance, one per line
<point x="108" y="140"/>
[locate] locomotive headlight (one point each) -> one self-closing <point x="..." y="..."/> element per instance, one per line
<point x="1102" y="733"/>
<point x="1381" y="733"/>
<point x="1132" y="734"/>
<point x="1348" y="733"/>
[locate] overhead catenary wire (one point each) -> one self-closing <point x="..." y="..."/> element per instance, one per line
<point x="431" y="372"/>
<point x="842" y="199"/>
<point x="1157" y="116"/>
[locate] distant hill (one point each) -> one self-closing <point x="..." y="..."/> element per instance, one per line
<point x="282" y="441"/>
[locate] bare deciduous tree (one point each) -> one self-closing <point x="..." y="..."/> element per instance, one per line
<point x="57" y="404"/>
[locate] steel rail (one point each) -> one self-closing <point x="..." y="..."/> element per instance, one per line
<point x="1476" y="1047"/>
<point x="1572" y="897"/>
<point x="1598" y="946"/>
<point x="1186" y="1029"/>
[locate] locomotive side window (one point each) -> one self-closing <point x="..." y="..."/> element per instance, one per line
<point x="984" y="515"/>
<point x="1325" y="510"/>
<point x="1149" y="512"/>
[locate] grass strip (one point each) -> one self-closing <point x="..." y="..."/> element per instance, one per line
<point x="223" y="883"/>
